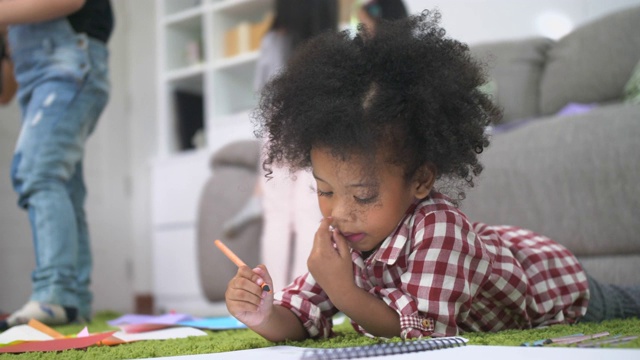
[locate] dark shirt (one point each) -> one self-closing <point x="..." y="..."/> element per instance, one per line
<point x="95" y="19"/>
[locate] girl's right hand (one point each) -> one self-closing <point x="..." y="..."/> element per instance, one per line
<point x="246" y="300"/>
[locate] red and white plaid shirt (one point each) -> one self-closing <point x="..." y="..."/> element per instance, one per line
<point x="443" y="275"/>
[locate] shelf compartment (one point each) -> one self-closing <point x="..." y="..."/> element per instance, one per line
<point x="176" y="7"/>
<point x="239" y="26"/>
<point x="237" y="63"/>
<point x="234" y="90"/>
<point x="184" y="36"/>
<point x="184" y="16"/>
<point x="240" y="8"/>
<point x="185" y="102"/>
<point x="191" y="75"/>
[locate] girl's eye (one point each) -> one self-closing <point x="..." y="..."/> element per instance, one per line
<point x="323" y="193"/>
<point x="367" y="200"/>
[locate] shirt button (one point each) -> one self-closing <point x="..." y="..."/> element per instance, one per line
<point x="425" y="323"/>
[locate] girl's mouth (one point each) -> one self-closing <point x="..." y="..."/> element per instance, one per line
<point x="354" y="237"/>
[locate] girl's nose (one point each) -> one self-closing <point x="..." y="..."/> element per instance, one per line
<point x="340" y="212"/>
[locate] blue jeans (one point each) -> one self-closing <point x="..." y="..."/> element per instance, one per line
<point x="63" y="88"/>
<point x="609" y="301"/>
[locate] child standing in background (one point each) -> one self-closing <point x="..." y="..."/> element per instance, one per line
<point x="286" y="205"/>
<point x="385" y="120"/>
<point x="60" y="58"/>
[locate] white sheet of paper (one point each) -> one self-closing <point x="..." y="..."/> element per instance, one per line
<point x="476" y="352"/>
<point x="22" y="333"/>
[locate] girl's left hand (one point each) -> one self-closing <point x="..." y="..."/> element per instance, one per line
<point x="330" y="260"/>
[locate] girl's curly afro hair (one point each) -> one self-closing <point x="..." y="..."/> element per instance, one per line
<point x="406" y="89"/>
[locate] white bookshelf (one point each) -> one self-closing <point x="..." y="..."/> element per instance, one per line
<point x="178" y="175"/>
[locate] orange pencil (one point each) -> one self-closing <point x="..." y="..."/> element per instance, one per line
<point x="236" y="260"/>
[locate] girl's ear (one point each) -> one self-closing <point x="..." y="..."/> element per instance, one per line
<point x="425" y="178"/>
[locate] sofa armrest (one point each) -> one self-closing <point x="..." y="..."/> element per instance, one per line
<point x="244" y="153"/>
<point x="235" y="172"/>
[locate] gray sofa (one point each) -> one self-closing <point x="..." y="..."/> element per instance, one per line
<point x="234" y="174"/>
<point x="574" y="178"/>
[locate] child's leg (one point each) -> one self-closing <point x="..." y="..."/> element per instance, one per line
<point x="306" y="219"/>
<point x="612" y="302"/>
<point x="275" y="242"/>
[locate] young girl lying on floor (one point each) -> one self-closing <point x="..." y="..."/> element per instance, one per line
<point x="379" y="119"/>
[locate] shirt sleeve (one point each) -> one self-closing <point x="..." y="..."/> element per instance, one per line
<point x="445" y="266"/>
<point x="306" y="299"/>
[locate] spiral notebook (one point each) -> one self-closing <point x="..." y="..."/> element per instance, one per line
<point x="384" y="349"/>
<point x="454" y="351"/>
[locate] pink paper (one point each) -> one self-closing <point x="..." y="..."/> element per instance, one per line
<point x="138" y="328"/>
<point x="56" y="344"/>
<point x="136" y="323"/>
<point x="83" y="333"/>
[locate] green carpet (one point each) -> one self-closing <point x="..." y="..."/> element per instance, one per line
<point x="218" y="341"/>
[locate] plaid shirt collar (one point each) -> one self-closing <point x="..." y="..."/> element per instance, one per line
<point x="392" y="246"/>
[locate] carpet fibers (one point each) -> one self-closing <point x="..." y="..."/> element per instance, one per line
<point x="219" y="341"/>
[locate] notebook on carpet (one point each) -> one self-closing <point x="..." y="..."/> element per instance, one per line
<point x="438" y="348"/>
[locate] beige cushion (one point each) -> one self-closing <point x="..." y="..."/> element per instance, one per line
<point x="592" y="63"/>
<point x="514" y="69"/>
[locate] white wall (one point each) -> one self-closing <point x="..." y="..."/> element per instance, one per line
<point x="16" y="260"/>
<point x="474" y="21"/>
<point x="118" y="155"/>
<point x="141" y="50"/>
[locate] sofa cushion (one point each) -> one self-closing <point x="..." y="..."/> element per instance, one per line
<point x="578" y="187"/>
<point x="613" y="269"/>
<point x="514" y="69"/>
<point x="592" y="63"/>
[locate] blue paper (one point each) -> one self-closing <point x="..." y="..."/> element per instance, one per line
<point x="215" y="323"/>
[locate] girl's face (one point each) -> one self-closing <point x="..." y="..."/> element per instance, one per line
<point x="365" y="207"/>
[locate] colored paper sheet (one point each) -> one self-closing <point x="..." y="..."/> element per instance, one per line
<point x="45" y="329"/>
<point x="56" y="344"/>
<point x="138" y="328"/>
<point x="136" y="319"/>
<point x="22" y="333"/>
<point x="135" y="323"/>
<point x="164" y="334"/>
<point x="215" y="323"/>
<point x="84" y="332"/>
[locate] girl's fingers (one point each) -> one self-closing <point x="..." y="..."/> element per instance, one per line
<point x="322" y="240"/>
<point x="244" y="290"/>
<point x="341" y="243"/>
<point x="263" y="278"/>
<point x="248" y="279"/>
